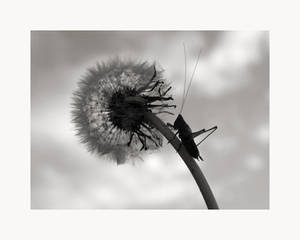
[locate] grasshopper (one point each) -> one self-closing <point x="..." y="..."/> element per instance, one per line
<point x="183" y="129"/>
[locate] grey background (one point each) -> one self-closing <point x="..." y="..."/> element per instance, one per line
<point x="230" y="89"/>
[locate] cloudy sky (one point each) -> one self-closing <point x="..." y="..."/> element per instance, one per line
<point x="230" y="89"/>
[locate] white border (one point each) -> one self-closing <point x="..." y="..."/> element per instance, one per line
<point x="19" y="222"/>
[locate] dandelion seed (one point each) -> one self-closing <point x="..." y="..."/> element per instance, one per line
<point x="110" y="104"/>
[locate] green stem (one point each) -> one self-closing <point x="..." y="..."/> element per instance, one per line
<point x="200" y="179"/>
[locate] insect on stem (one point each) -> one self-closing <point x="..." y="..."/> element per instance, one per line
<point x="186" y="157"/>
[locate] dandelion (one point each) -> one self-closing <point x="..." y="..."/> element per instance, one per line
<point x="116" y="109"/>
<point x="110" y="106"/>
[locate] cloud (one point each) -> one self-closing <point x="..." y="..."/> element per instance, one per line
<point x="262" y="133"/>
<point x="254" y="162"/>
<point x="226" y="67"/>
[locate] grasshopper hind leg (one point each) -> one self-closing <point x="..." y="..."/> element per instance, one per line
<point x="173" y="137"/>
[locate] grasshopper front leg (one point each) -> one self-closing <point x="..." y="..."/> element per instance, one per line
<point x="171" y="126"/>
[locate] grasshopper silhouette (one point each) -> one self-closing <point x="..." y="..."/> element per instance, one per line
<point x="183" y="129"/>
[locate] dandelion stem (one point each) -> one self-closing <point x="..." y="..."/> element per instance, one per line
<point x="188" y="160"/>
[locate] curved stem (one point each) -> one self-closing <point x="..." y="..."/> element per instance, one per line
<point x="200" y="179"/>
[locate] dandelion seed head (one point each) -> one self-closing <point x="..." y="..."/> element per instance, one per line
<point x="109" y="106"/>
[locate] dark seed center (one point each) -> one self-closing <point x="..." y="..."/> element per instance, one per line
<point x="125" y="115"/>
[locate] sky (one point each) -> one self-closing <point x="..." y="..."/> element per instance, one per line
<point x="230" y="89"/>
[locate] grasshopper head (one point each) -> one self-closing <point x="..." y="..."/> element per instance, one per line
<point x="178" y="122"/>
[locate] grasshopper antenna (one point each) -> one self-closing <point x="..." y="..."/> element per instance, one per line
<point x="191" y="80"/>
<point x="184" y="50"/>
